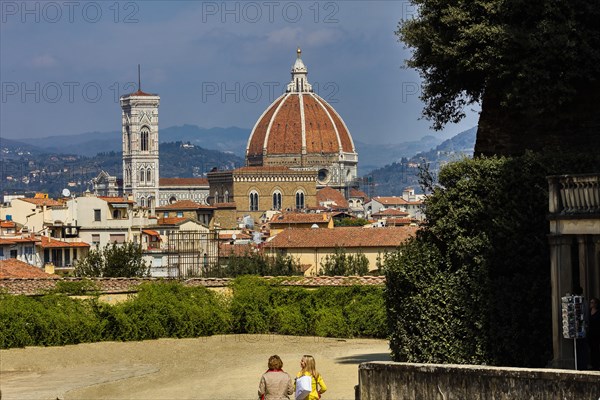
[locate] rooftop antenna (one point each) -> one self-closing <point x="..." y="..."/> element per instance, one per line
<point x="139" y="79"/>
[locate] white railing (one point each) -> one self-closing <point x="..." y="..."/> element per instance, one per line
<point x="574" y="194"/>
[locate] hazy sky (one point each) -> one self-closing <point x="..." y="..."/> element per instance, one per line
<point x="64" y="64"/>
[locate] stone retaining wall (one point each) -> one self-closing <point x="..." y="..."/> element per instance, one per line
<point x="38" y="286"/>
<point x="403" y="381"/>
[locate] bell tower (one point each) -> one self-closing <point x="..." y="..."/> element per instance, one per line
<point x="140" y="146"/>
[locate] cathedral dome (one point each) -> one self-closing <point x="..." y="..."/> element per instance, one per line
<point x="300" y="129"/>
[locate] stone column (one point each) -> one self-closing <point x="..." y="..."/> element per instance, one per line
<point x="584" y="263"/>
<point x="593" y="287"/>
<point x="562" y="282"/>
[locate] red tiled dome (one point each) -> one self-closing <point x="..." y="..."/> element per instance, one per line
<point x="298" y="126"/>
<point x="297" y="120"/>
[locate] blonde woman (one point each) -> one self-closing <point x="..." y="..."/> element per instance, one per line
<point x="309" y="367"/>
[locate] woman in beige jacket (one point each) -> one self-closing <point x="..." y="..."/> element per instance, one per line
<point x="275" y="384"/>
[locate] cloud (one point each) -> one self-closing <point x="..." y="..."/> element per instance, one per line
<point x="285" y="35"/>
<point x="323" y="37"/>
<point x="44" y="61"/>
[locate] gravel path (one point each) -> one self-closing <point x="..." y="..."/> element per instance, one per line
<point x="217" y="368"/>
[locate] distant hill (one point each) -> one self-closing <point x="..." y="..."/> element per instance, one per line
<point x="393" y="178"/>
<point x="53" y="163"/>
<point x="229" y="140"/>
<point x="30" y="172"/>
<point x="373" y="155"/>
<point x="14" y="148"/>
<point x="89" y="144"/>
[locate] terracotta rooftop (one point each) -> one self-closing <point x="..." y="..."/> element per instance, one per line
<point x="315" y="281"/>
<point x="390" y="212"/>
<point x="13" y="268"/>
<point x="140" y="93"/>
<point x="348" y="237"/>
<point x="398" y="221"/>
<point x="226" y="249"/>
<point x="18" y="239"/>
<point x="43" y="202"/>
<point x="278" y="129"/>
<point x="8" y="224"/>
<point x="300" y="218"/>
<point x="116" y="200"/>
<point x="183" y="182"/>
<point x="328" y="194"/>
<point x="53" y="243"/>
<point x="229" y="236"/>
<point x="150" y="232"/>
<point x="184" y="205"/>
<point x="358" y="193"/>
<point x="36" y="286"/>
<point x="172" y="220"/>
<point x="393" y="200"/>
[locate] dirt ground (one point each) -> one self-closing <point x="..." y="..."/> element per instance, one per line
<point x="217" y="368"/>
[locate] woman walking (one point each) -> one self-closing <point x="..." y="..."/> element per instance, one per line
<point x="275" y="384"/>
<point x="309" y="367"/>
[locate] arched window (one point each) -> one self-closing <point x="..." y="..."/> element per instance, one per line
<point x="277" y="200"/>
<point x="144" y="143"/>
<point x="299" y="200"/>
<point x="226" y="197"/>
<point x="172" y="200"/>
<point x="148" y="176"/>
<point x="216" y="197"/>
<point x="143" y="202"/>
<point x="142" y="175"/>
<point x="253" y="201"/>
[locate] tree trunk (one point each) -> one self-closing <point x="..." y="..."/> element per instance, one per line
<point x="512" y="131"/>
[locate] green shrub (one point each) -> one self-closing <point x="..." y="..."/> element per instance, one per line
<point x="251" y="308"/>
<point x="366" y="314"/>
<point x="331" y="322"/>
<point x="52" y="320"/>
<point x="170" y="309"/>
<point x="76" y="288"/>
<point x="290" y="320"/>
<point x="254" y="263"/>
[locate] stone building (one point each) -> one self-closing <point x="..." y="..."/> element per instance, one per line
<point x="574" y="216"/>
<point x="255" y="190"/>
<point x="141" y="172"/>
<point x="298" y="145"/>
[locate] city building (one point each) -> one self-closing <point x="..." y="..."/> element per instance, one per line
<point x="574" y="216"/>
<point x="408" y="202"/>
<point x="141" y="163"/>
<point x="255" y="190"/>
<point x="312" y="246"/>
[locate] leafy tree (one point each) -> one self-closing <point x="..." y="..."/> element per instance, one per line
<point x="342" y="264"/>
<point x="114" y="260"/>
<point x="533" y="65"/>
<point x="255" y="263"/>
<point x="351" y="222"/>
